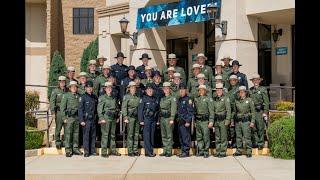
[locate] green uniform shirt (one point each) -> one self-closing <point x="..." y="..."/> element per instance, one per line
<point x="81" y="89"/>
<point x="194" y="91"/>
<point x="69" y="103"/>
<point x="245" y="106"/>
<point x="175" y="90"/>
<point x="225" y="80"/>
<point x="227" y="70"/>
<point x="259" y="95"/>
<point x="106" y="107"/>
<point x="207" y="71"/>
<point x="130" y="103"/>
<point x="222" y="106"/>
<point x="203" y="106"/>
<point x="177" y="69"/>
<point x="168" y="104"/>
<point x="92" y="76"/>
<point x="99" y="83"/>
<point x="146" y="81"/>
<point x="55" y="98"/>
<point x="232" y="94"/>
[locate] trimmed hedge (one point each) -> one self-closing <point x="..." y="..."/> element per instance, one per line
<point x="281" y="135"/>
<point x="32" y="103"/>
<point x="277" y="115"/>
<point x="284" y="106"/>
<point x="33" y="139"/>
<point x="91" y="52"/>
<point x="57" y="68"/>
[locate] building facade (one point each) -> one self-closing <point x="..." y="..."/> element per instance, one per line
<point x="249" y="37"/>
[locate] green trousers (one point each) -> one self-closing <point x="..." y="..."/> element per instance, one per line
<point x="258" y="130"/>
<point x="59" y="124"/>
<point x="221" y="137"/>
<point x="108" y="136"/>
<point x="167" y="135"/>
<point x="133" y="135"/>
<point x="203" y="136"/>
<point x="243" y="133"/>
<point x="71" y="134"/>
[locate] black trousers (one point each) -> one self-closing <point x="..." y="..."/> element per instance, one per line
<point x="185" y="138"/>
<point x="89" y="137"/>
<point x="148" y="135"/>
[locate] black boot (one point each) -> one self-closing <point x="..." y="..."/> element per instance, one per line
<point x="237" y="153"/>
<point x="68" y="154"/>
<point x="77" y="152"/>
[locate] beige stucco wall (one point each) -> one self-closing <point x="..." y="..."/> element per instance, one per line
<point x="260" y="6"/>
<point x="35" y="25"/>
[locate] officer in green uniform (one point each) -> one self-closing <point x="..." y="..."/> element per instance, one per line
<point x="194" y="91"/>
<point x="83" y="77"/>
<point x="193" y="80"/>
<point x="129" y="112"/>
<point x="219" y="79"/>
<point x="170" y="73"/>
<point x="244" y="122"/>
<point x="175" y="85"/>
<point x="108" y="117"/>
<point x="204" y="116"/>
<point x="222" y="110"/>
<point x="259" y="95"/>
<point x="69" y="109"/>
<point x="205" y="69"/>
<point x="55" y="101"/>
<point x="227" y="68"/>
<point x="101" y="79"/>
<point x="172" y="60"/>
<point x="232" y="93"/>
<point x="148" y="73"/>
<point x="225" y="76"/>
<point x="71" y="71"/>
<point x="92" y="72"/>
<point x="100" y="62"/>
<point x="168" y="109"/>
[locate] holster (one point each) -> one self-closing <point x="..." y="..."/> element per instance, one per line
<point x="133" y="113"/>
<point x="164" y="114"/>
<point x="72" y="112"/>
<point x="245" y="118"/>
<point x="220" y="117"/>
<point x="149" y="113"/>
<point x="112" y="114"/>
<point x="259" y="107"/>
<point x="204" y="117"/>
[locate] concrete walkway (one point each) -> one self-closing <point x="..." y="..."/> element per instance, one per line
<point x="144" y="168"/>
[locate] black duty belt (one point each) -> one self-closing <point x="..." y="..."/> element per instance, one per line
<point x="259" y="107"/>
<point x="203" y="117"/>
<point x="245" y="118"/>
<point x="220" y="117"/>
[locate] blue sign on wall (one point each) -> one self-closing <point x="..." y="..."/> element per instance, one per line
<point x="281" y="50"/>
<point x="169" y="14"/>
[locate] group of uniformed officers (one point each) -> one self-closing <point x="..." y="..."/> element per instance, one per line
<point x="216" y="99"/>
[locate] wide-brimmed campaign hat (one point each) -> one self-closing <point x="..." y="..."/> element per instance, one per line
<point x="120" y="54"/>
<point x="166" y="84"/>
<point x="236" y="62"/>
<point x="226" y="57"/>
<point x="145" y="55"/>
<point x="201" y="55"/>
<point x="242" y="88"/>
<point x="172" y="56"/>
<point x="73" y="83"/>
<point x="255" y="76"/>
<point x="132" y="83"/>
<point x="107" y="84"/>
<point x="218" y="86"/>
<point x="82" y="74"/>
<point x="62" y="78"/>
<point x="71" y="68"/>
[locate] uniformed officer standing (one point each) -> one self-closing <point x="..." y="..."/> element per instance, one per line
<point x="129" y="112"/>
<point x="259" y="95"/>
<point x="177" y="81"/>
<point x="83" y="77"/>
<point x="100" y="62"/>
<point x="71" y="74"/>
<point x="92" y="72"/>
<point x="69" y="109"/>
<point x="148" y="72"/>
<point x="119" y="70"/>
<point x="184" y="118"/>
<point x="204" y="115"/>
<point x="232" y="93"/>
<point x="245" y="120"/>
<point x="194" y="91"/>
<point x="139" y="86"/>
<point x="55" y="100"/>
<point x="125" y="82"/>
<point x="145" y="60"/>
<point x="222" y="110"/>
<point x="172" y="60"/>
<point x="219" y="80"/>
<point x="102" y="79"/>
<point x="224" y="76"/>
<point x="169" y="77"/>
<point x="227" y="67"/>
<point x="148" y="114"/>
<point x="108" y="117"/>
<point x="205" y="69"/>
<point x="157" y="85"/>
<point x="193" y="80"/>
<point x="242" y="77"/>
<point x="87" y="115"/>
<point x="167" y="113"/>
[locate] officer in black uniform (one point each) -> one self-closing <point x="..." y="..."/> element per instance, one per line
<point x="87" y="111"/>
<point x="125" y="82"/>
<point x="148" y="111"/>
<point x="157" y="85"/>
<point x="140" y="69"/>
<point x="119" y="70"/>
<point x="140" y="87"/>
<point x="185" y="113"/>
<point x="243" y="81"/>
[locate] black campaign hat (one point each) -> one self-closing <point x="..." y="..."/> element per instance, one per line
<point x="89" y="84"/>
<point x="236" y="62"/>
<point x="183" y="86"/>
<point x="149" y="85"/>
<point x="131" y="68"/>
<point x="145" y="55"/>
<point x="156" y="73"/>
<point x="120" y="54"/>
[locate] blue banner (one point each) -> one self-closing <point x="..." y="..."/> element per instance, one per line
<point x="169" y="14"/>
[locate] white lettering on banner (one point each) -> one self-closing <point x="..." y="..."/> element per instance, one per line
<point x="154" y="16"/>
<point x="196" y="9"/>
<point x="163" y="15"/>
<point x="189" y="11"/>
<point x="183" y="14"/>
<point x="149" y="17"/>
<point x="203" y="9"/>
<point x="169" y="14"/>
<point x="175" y="13"/>
<point x="143" y="16"/>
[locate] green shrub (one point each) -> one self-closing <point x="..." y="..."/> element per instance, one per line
<point x="33" y="139"/>
<point x="57" y="68"/>
<point x="32" y="101"/>
<point x="277" y="115"/>
<point x="281" y="135"/>
<point x="284" y="106"/>
<point x="31" y="121"/>
<point x="91" y="52"/>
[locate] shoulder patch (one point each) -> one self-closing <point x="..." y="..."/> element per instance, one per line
<point x="174" y="99"/>
<point x="190" y="101"/>
<point x="247" y="101"/>
<point x="79" y="99"/>
<point x="140" y="101"/>
<point x="211" y="100"/>
<point x="228" y="100"/>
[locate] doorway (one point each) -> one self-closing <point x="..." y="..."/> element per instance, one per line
<point x="264" y="53"/>
<point x="180" y="48"/>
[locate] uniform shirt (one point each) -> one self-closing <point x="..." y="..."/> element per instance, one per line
<point x="107" y="104"/>
<point x="232" y="94"/>
<point x="141" y="73"/>
<point x="87" y="107"/>
<point x="123" y="87"/>
<point x="242" y="78"/>
<point x="150" y="103"/>
<point x="140" y="90"/>
<point x="55" y="98"/>
<point x="99" y="69"/>
<point x="99" y="83"/>
<point x="222" y="106"/>
<point x="207" y="71"/>
<point x="177" y="69"/>
<point x="175" y="90"/>
<point x="68" y="81"/>
<point x="146" y="81"/>
<point x="245" y="106"/>
<point x="81" y="89"/>
<point x="157" y="91"/>
<point x="225" y="80"/>
<point x="69" y="102"/>
<point x="259" y="95"/>
<point x="204" y="106"/>
<point x="129" y="103"/>
<point x="194" y="91"/>
<point x="185" y="109"/>
<point x="92" y="76"/>
<point x="227" y="70"/>
<point x="119" y="71"/>
<point x="169" y="104"/>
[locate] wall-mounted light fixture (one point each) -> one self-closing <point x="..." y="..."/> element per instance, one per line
<point x="124" y="25"/>
<point x="276" y="33"/>
<point x="212" y="11"/>
<point x="191" y="43"/>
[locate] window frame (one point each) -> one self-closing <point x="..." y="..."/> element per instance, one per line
<point x="79" y="14"/>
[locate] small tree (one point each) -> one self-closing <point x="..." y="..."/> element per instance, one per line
<point x="91" y="52"/>
<point x="57" y="68"/>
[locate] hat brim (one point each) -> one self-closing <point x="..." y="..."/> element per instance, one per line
<point x="236" y="64"/>
<point x="120" y="56"/>
<point x="73" y="85"/>
<point x="83" y="76"/>
<point x="217" y="88"/>
<point x="144" y="57"/>
<point x="242" y="90"/>
<point x="172" y="58"/>
<point x="202" y="56"/>
<point x="222" y="59"/>
<point x="256" y="78"/>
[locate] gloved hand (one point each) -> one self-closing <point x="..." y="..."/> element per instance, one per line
<point x="65" y="120"/>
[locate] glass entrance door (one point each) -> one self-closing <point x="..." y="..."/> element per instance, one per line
<point x="264" y="53"/>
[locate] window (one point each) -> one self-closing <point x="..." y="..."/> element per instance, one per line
<point x="83" y="20"/>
